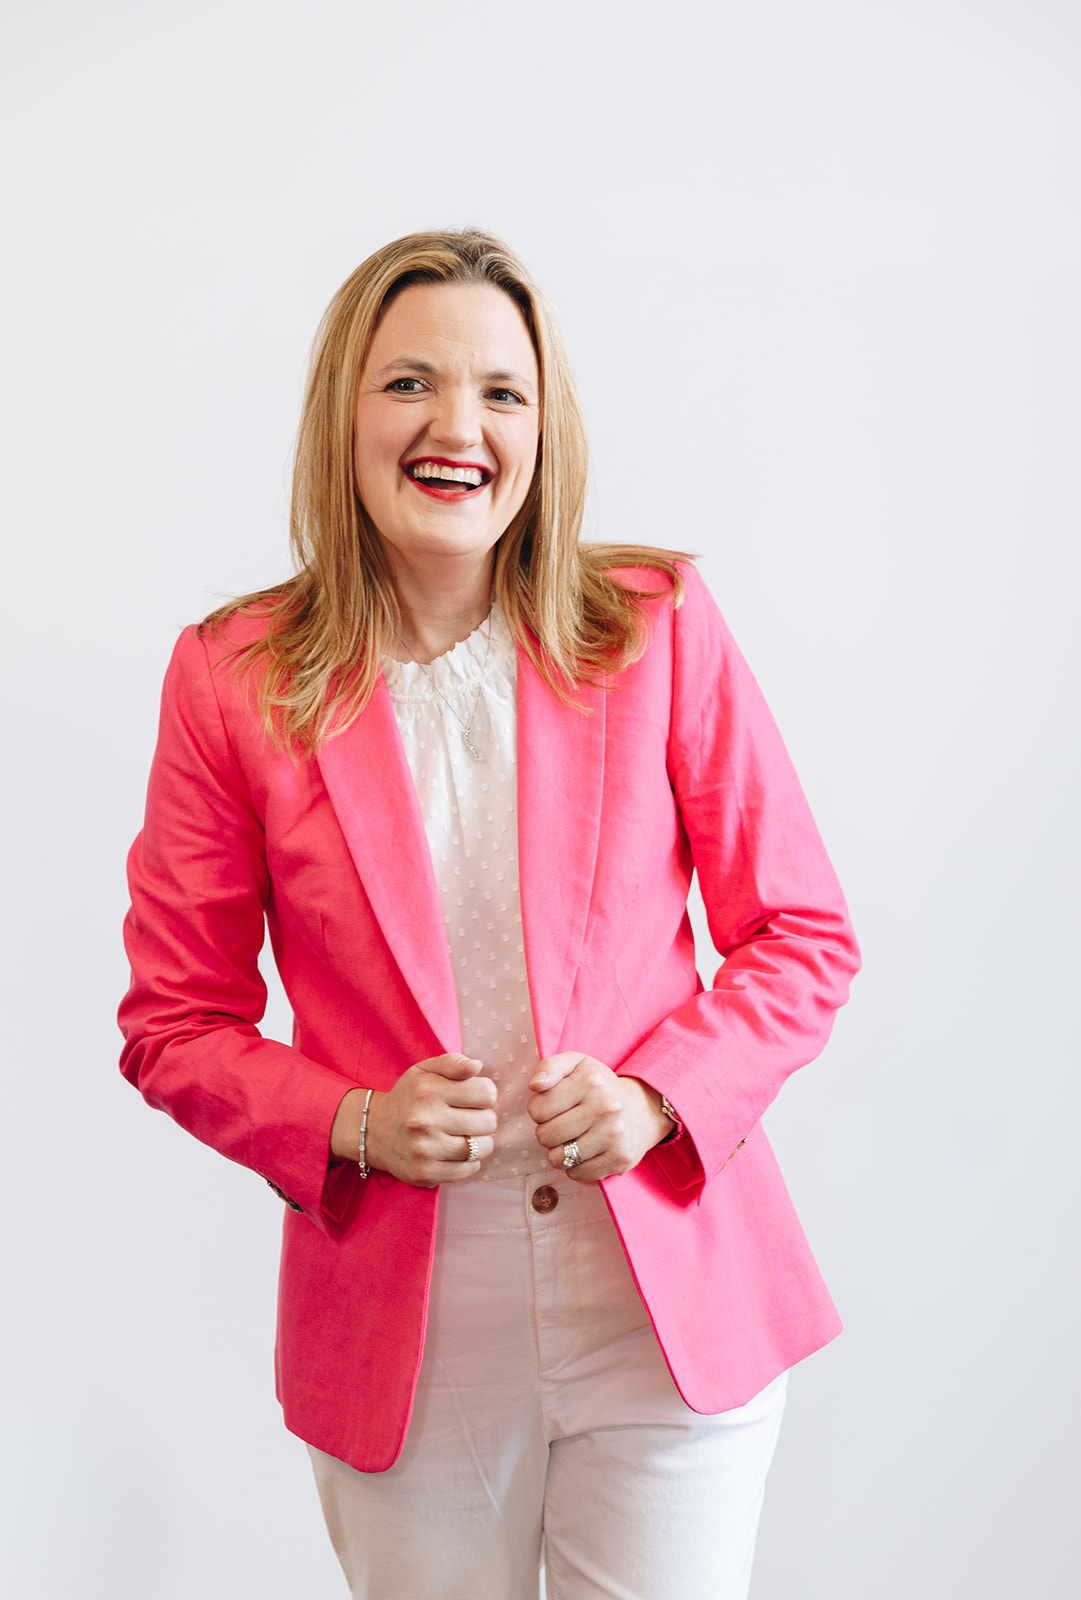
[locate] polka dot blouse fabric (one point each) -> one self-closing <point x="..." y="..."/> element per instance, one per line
<point x="470" y="812"/>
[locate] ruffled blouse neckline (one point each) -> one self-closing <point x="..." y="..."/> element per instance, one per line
<point x="459" y="668"/>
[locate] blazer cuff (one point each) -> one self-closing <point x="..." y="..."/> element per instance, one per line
<point x="680" y="1162"/>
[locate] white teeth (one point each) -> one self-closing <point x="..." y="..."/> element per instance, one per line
<point x="431" y="469"/>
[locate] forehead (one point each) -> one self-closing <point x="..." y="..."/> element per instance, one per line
<point x="456" y="321"/>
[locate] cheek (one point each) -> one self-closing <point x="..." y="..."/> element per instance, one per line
<point x="375" y="466"/>
<point x="377" y="445"/>
<point x="362" y="479"/>
<point x="524" y="459"/>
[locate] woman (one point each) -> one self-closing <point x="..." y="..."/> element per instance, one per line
<point x="540" y="1275"/>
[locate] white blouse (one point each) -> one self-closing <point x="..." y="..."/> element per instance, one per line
<point x="470" y="811"/>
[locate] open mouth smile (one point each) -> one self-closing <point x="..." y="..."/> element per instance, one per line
<point x="447" y="480"/>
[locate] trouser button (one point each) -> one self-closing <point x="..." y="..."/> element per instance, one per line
<point x="545" y="1198"/>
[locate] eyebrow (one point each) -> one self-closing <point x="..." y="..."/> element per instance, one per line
<point x="412" y="363"/>
<point x="509" y="377"/>
<point x="417" y="364"/>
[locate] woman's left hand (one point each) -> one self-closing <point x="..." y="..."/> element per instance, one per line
<point x="613" y="1120"/>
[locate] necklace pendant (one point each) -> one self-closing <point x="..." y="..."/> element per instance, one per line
<point x="470" y="746"/>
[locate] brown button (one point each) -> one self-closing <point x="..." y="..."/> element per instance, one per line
<point x="545" y="1198"/>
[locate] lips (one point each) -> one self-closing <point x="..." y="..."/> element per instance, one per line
<point x="447" y="480"/>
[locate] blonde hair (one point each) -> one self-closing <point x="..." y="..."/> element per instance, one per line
<point x="317" y="663"/>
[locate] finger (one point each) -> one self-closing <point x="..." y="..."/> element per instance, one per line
<point x="461" y="1122"/>
<point x="455" y="1067"/>
<point x="587" y="1155"/>
<point x="592" y="1096"/>
<point x="591" y="1169"/>
<point x="561" y="1130"/>
<point x="438" y="1086"/>
<point x="553" y="1069"/>
<point x="458" y="1165"/>
<point x="476" y="1094"/>
<point x="556" y="1103"/>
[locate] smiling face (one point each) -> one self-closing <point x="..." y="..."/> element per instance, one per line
<point x="447" y="427"/>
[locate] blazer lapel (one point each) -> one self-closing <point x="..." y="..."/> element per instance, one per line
<point x="560" y="800"/>
<point x="374" y="797"/>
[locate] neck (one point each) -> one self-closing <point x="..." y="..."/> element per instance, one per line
<point x="435" y="619"/>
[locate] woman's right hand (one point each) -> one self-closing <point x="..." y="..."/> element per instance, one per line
<point x="417" y="1131"/>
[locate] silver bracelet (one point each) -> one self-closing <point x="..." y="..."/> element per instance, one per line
<point x="362" y="1157"/>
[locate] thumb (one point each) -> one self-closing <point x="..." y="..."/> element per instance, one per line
<point x="553" y="1069"/>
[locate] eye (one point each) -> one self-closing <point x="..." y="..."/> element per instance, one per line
<point x="505" y="397"/>
<point x="405" y="386"/>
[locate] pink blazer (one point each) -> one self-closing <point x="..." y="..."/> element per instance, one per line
<point x="676" y="766"/>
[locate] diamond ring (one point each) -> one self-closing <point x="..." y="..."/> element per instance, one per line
<point x="472" y="1147"/>
<point x="571" y="1154"/>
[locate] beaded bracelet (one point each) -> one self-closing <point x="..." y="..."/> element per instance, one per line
<point x="362" y="1157"/>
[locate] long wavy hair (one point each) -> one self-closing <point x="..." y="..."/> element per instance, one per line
<point x="316" y="663"/>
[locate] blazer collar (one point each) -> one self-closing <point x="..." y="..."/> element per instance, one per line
<point x="560" y="800"/>
<point x="374" y="797"/>
<point x="560" y="784"/>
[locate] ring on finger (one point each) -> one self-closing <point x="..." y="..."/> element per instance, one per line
<point x="571" y="1154"/>
<point x="472" y="1147"/>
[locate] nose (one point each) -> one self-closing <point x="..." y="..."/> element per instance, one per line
<point x="456" y="420"/>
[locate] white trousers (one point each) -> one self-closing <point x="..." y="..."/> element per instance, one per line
<point x="546" y="1417"/>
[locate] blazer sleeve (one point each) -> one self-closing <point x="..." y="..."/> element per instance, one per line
<point x="776" y="912"/>
<point x="199" y="887"/>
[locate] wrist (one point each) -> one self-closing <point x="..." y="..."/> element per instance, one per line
<point x="666" y="1124"/>
<point x="345" y="1132"/>
<point x="675" y="1129"/>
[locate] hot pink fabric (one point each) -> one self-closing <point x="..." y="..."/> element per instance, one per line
<point x="677" y="766"/>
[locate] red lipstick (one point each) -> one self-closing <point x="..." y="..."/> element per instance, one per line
<point x="446" y="488"/>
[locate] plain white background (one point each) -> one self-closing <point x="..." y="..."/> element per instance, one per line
<point x="817" y="265"/>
